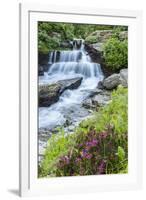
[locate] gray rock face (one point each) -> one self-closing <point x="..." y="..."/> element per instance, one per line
<point x="49" y="94"/>
<point x="40" y="71"/>
<point x="70" y="84"/>
<point x="100" y="85"/>
<point x="43" y="137"/>
<point x="124" y="77"/>
<point x="100" y="35"/>
<point x="112" y="81"/>
<point x="97" y="100"/>
<point x="66" y="44"/>
<point x="98" y="46"/>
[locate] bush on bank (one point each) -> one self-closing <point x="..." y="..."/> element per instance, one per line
<point x="116" y="53"/>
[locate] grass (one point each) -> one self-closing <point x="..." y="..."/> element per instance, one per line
<point x="99" y="145"/>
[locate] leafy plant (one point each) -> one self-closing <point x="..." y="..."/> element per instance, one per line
<point x="58" y="145"/>
<point x="91" y="39"/>
<point x="116" y="53"/>
<point x="98" y="145"/>
<point x="50" y="35"/>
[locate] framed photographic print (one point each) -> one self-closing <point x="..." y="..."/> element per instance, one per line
<point x="80" y="100"/>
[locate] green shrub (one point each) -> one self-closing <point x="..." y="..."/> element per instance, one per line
<point x="102" y="147"/>
<point x="115" y="113"/>
<point x="91" y="39"/>
<point x="116" y="53"/>
<point x="50" y="34"/>
<point x="58" y="145"/>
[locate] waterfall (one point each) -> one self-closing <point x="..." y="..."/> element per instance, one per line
<point x="66" y="65"/>
<point x="74" y="62"/>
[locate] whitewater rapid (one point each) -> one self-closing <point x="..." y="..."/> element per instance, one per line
<point x="67" y="65"/>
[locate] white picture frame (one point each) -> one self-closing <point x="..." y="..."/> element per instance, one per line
<point x="30" y="185"/>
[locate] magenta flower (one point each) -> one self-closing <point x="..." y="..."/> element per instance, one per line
<point x="92" y="143"/>
<point x="89" y="156"/>
<point x="78" y="160"/>
<point x="65" y="159"/>
<point x="101" y="167"/>
<point x="85" y="154"/>
<point x="103" y="134"/>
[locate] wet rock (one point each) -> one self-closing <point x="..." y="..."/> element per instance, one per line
<point x="95" y="55"/>
<point x="43" y="137"/>
<point x="94" y="92"/>
<point x="49" y="94"/>
<point x="98" y="46"/>
<point x="77" y="43"/>
<point x="40" y="71"/>
<point x="67" y="123"/>
<point x="112" y="81"/>
<point x="71" y="128"/>
<point x="43" y="58"/>
<point x="101" y="99"/>
<point x="71" y="84"/>
<point x="66" y="44"/>
<point x="43" y="68"/>
<point x="97" y="100"/>
<point x="100" y="85"/>
<point x="87" y="103"/>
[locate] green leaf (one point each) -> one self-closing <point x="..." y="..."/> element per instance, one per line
<point x="121" y="153"/>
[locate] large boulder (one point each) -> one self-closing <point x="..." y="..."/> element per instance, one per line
<point x="98" y="46"/>
<point x="98" y="36"/>
<point x="97" y="100"/>
<point x="112" y="81"/>
<point x="49" y="94"/>
<point x="101" y="99"/>
<point x="95" y="55"/>
<point x="124" y="77"/>
<point x="71" y="84"/>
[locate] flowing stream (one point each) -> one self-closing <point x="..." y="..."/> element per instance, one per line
<point x="67" y="65"/>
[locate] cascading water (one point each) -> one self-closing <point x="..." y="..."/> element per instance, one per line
<point x="67" y="65"/>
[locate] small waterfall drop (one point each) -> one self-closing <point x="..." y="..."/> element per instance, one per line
<point x="65" y="65"/>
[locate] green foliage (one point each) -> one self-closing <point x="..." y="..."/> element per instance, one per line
<point x="98" y="146"/>
<point x="91" y="39"/>
<point x="116" y="53"/>
<point x="58" y="145"/>
<point x="121" y="153"/>
<point x="50" y="35"/>
<point x="115" y="113"/>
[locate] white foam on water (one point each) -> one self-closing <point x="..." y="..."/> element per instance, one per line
<point x="71" y="64"/>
